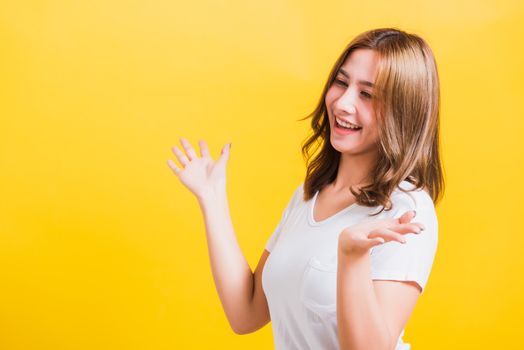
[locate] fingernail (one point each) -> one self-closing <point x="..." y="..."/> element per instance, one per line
<point x="403" y="240"/>
<point x="415" y="213"/>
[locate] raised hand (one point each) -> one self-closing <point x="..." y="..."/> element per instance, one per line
<point x="201" y="175"/>
<point x="359" y="238"/>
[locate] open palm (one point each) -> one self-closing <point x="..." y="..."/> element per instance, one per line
<point x="201" y="175"/>
<point x="359" y="238"/>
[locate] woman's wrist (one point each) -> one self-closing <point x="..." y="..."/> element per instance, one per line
<point x="211" y="196"/>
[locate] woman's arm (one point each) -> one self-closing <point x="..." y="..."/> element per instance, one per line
<point x="361" y="324"/>
<point x="240" y="290"/>
<point x="371" y="315"/>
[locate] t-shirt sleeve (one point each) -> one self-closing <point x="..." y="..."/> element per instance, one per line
<point x="413" y="260"/>
<point x="276" y="232"/>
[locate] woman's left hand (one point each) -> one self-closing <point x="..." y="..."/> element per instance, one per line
<point x="358" y="239"/>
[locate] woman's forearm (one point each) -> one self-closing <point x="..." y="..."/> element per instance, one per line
<point x="360" y="322"/>
<point x="231" y="272"/>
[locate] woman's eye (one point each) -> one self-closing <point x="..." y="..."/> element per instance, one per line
<point x="366" y="94"/>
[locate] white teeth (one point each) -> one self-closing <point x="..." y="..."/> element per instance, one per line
<point x="346" y="124"/>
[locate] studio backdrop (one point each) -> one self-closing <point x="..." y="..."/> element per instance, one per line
<point x="101" y="247"/>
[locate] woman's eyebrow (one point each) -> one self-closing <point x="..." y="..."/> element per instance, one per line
<point x="362" y="82"/>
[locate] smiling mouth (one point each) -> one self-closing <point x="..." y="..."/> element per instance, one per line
<point x="346" y="125"/>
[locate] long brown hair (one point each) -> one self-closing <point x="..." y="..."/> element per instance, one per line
<point x="407" y="107"/>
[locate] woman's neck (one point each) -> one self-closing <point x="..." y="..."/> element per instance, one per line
<point x="353" y="170"/>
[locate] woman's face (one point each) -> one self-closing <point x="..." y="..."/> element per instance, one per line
<point x="350" y="98"/>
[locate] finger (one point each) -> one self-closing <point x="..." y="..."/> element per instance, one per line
<point x="204" y="151"/>
<point x="406" y="228"/>
<point x="387" y="235"/>
<point x="376" y="241"/>
<point x="224" y="154"/>
<point x="387" y="222"/>
<point x="180" y="156"/>
<point x="407" y="216"/>
<point x="367" y="244"/>
<point x="173" y="167"/>
<point x="188" y="148"/>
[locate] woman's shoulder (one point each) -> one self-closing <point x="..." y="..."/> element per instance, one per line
<point x="416" y="199"/>
<point x="407" y="195"/>
<point x="296" y="196"/>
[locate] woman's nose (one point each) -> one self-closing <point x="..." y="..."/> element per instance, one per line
<point x="345" y="104"/>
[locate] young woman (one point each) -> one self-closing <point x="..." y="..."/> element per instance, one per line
<point x="347" y="262"/>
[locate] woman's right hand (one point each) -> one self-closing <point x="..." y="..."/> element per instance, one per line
<point x="203" y="176"/>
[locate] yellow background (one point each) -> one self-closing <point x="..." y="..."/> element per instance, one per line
<point x="101" y="247"/>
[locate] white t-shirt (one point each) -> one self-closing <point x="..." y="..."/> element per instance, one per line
<point x="300" y="275"/>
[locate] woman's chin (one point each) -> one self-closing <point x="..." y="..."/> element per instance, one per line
<point x="342" y="148"/>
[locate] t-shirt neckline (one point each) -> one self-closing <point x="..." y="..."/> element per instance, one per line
<point x="311" y="219"/>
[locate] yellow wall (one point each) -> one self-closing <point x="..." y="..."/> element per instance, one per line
<point x="101" y="247"/>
